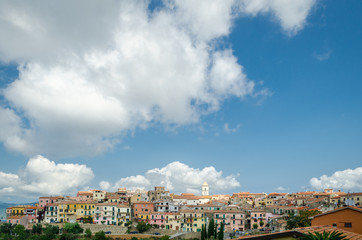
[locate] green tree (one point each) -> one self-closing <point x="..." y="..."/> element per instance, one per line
<point x="143" y="227"/>
<point x="88" y="233"/>
<point x="202" y="232"/>
<point x="67" y="236"/>
<point x="6" y="228"/>
<point x="211" y="229"/>
<point x="100" y="236"/>
<point x="72" y="228"/>
<point x="20" y="232"/>
<point x="134" y="238"/>
<point x="37" y="229"/>
<point x="255" y="226"/>
<point x="302" y="220"/>
<point x="323" y="236"/>
<point x="4" y="236"/>
<point x="221" y="232"/>
<point x="50" y="231"/>
<point x="261" y="223"/>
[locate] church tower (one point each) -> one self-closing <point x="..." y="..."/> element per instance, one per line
<point x="205" y="189"/>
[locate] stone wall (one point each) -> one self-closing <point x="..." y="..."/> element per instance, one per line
<point x="115" y="230"/>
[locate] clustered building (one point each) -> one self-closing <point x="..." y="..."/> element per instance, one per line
<point x="185" y="212"/>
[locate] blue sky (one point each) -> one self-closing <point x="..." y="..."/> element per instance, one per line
<point x="301" y="120"/>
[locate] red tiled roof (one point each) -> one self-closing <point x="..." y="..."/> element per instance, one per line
<point x="16" y="217"/>
<point x="107" y="204"/>
<point x="84" y="193"/>
<point x="187" y="194"/>
<point x="33" y="207"/>
<point x="340" y="209"/>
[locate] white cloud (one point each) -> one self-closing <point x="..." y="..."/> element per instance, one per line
<point x="177" y="177"/>
<point x="349" y="179"/>
<point x="291" y="15"/>
<point x="323" y="56"/>
<point x="42" y="176"/>
<point x="280" y="188"/>
<point x="227" y="128"/>
<point x="89" y="79"/>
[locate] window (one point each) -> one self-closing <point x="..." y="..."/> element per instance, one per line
<point x="348" y="224"/>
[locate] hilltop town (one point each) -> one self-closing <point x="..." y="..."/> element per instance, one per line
<point x="239" y="213"/>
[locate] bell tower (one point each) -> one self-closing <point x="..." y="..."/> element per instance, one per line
<point x="205" y="189"/>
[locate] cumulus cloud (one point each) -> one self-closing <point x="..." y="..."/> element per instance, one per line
<point x="280" y="188"/>
<point x="177" y="177"/>
<point x="349" y="179"/>
<point x="89" y="79"/>
<point x="291" y="15"/>
<point x="42" y="176"/>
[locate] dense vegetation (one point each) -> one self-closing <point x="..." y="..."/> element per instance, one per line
<point x="211" y="232"/>
<point x="70" y="231"/>
<point x="301" y="220"/>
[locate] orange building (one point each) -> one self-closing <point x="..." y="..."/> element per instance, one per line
<point x="346" y="218"/>
<point x="143" y="208"/>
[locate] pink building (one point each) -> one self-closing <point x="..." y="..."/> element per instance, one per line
<point x="157" y="218"/>
<point x="9" y="212"/>
<point x="106" y="213"/>
<point x="259" y="217"/>
<point x="162" y="220"/>
<point x="18" y="220"/>
<point x="43" y="201"/>
<point x="31" y="214"/>
<point x="84" y="196"/>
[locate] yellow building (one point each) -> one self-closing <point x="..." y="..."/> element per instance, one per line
<point x="173" y="221"/>
<point x="67" y="211"/>
<point x="264" y="202"/>
<point x="18" y="210"/>
<point x="192" y="220"/>
<point x="84" y="210"/>
<point x="144" y="217"/>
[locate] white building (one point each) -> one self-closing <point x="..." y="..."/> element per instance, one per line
<point x="205" y="189"/>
